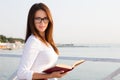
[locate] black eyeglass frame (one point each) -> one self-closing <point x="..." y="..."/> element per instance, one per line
<point x="39" y="19"/>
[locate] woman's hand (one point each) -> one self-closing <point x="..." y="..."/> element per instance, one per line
<point x="57" y="74"/>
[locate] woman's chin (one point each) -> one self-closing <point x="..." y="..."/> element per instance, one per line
<point x="41" y="31"/>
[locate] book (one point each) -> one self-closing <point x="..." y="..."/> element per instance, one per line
<point x="63" y="67"/>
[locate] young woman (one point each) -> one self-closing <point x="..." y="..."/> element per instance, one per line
<point x="40" y="52"/>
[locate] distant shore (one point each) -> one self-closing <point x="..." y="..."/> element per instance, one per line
<point x="11" y="46"/>
<point x="88" y="45"/>
<point x="17" y="45"/>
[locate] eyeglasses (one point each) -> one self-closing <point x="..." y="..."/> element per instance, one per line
<point x="39" y="20"/>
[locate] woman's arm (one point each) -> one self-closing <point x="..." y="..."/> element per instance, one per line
<point x="30" y="52"/>
<point x="26" y="63"/>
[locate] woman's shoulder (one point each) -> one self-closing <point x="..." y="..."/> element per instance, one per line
<point x="33" y="41"/>
<point x="31" y="38"/>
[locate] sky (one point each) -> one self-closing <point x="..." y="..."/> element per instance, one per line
<point x="75" y="21"/>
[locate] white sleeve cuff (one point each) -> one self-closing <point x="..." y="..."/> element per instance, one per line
<point x="29" y="75"/>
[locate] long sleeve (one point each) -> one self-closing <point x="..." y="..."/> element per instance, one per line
<point x="29" y="55"/>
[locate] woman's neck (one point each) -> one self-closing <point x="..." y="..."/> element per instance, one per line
<point x="42" y="35"/>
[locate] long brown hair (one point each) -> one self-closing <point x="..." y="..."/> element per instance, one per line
<point x="31" y="26"/>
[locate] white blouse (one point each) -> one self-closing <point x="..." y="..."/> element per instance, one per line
<point x="36" y="58"/>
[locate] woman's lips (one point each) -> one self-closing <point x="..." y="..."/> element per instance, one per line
<point x="41" y="26"/>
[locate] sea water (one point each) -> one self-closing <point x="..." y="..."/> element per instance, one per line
<point x="89" y="70"/>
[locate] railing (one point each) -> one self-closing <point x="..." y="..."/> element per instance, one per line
<point x="109" y="77"/>
<point x="13" y="76"/>
<point x="112" y="75"/>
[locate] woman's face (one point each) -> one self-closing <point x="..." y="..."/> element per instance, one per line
<point x="41" y="21"/>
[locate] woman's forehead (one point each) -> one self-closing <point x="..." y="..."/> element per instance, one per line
<point x="40" y="13"/>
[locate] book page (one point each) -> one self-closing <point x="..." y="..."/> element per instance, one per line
<point x="64" y="66"/>
<point x="77" y="63"/>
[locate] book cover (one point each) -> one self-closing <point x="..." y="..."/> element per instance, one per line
<point x="63" y="67"/>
